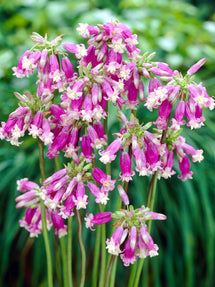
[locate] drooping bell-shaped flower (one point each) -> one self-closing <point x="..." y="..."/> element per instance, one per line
<point x="80" y="198"/>
<point x="125" y="164"/>
<point x="100" y="218"/>
<point x="103" y="179"/>
<point x="101" y="197"/>
<point x="109" y="154"/>
<point x="123" y="195"/>
<point x="36" y="125"/>
<point x="58" y="222"/>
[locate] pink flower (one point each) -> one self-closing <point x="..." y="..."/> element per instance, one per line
<point x="125" y="164"/>
<point x="123" y="195"/>
<point x="145" y="243"/>
<point x="35" y="128"/>
<point x="128" y="256"/>
<point x="100" y="218"/>
<point x="168" y="161"/>
<point x="96" y="141"/>
<point x="67" y="68"/>
<point x="164" y="113"/>
<point x="66" y="209"/>
<point x="58" y="222"/>
<point x="78" y="50"/>
<point x="103" y="179"/>
<point x="27" y="64"/>
<point x="46" y="136"/>
<point x="113" y="244"/>
<point x="58" y="144"/>
<point x="101" y="196"/>
<point x="55" y="177"/>
<point x="87" y="149"/>
<point x="193" y="69"/>
<point x="184" y="166"/>
<point x="29" y="198"/>
<point x="81" y="198"/>
<point x="108" y="155"/>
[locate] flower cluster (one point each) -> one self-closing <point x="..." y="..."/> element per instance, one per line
<point x="32" y="222"/>
<point x="69" y="114"/>
<point x="66" y="188"/>
<point x="131" y="238"/>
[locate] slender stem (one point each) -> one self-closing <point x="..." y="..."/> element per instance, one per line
<point x="82" y="248"/>
<point x="110" y="267"/>
<point x="132" y="274"/>
<point x="66" y="272"/>
<point x="103" y="251"/>
<point x="69" y="252"/>
<point x="105" y="125"/>
<point x="57" y="163"/>
<point x="96" y="256"/>
<point x="41" y="160"/>
<point x="113" y="273"/>
<point x="57" y="260"/>
<point x="43" y="217"/>
<point x="102" y="209"/>
<point x="151" y="196"/>
<point x="64" y="260"/>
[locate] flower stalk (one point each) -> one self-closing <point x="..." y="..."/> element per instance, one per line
<point x="109" y="271"/>
<point x="69" y="252"/>
<point x="82" y="248"/>
<point x="43" y="217"/>
<point x="103" y="252"/>
<point x="64" y="260"/>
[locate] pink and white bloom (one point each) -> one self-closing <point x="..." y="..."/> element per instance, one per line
<point x="80" y="198"/>
<point x="123" y="195"/>
<point x="103" y="179"/>
<point x="125" y="164"/>
<point x="101" y="196"/>
<point x="86" y="148"/>
<point x="100" y="218"/>
<point x="58" y="222"/>
<point x="113" y="244"/>
<point x="35" y="128"/>
<point x="109" y="154"/>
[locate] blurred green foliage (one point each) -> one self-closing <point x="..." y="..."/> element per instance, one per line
<point x="181" y="34"/>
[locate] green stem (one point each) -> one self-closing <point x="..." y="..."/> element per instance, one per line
<point x="103" y="251"/>
<point x="43" y="217"/>
<point x="57" y="163"/>
<point x="150" y="204"/>
<point x="66" y="272"/>
<point x="57" y="260"/>
<point x="110" y="267"/>
<point x="96" y="256"/>
<point x="132" y="274"/>
<point x="105" y="125"/>
<point x="82" y="248"/>
<point x="113" y="273"/>
<point x="69" y="252"/>
<point x="41" y="160"/>
<point x="64" y="260"/>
